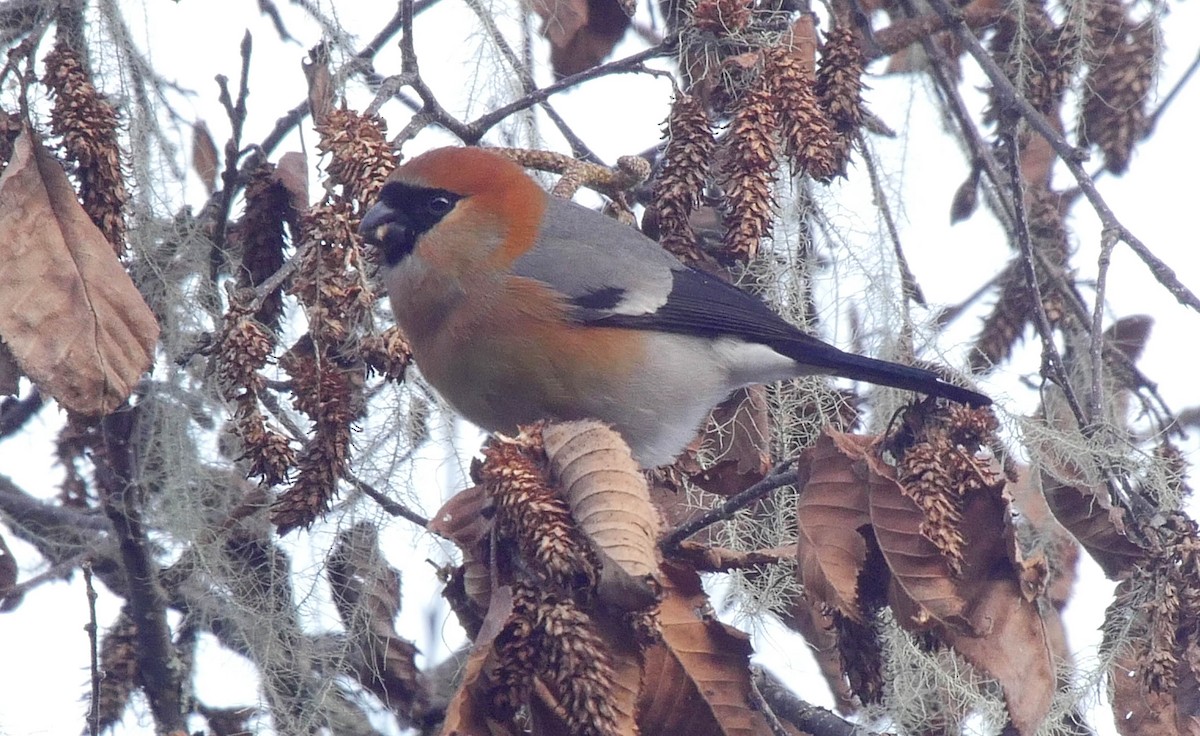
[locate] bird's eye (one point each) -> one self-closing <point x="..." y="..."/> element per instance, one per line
<point x="440" y="205"/>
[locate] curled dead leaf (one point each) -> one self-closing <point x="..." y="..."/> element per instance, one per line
<point x="462" y="520"/>
<point x="701" y="662"/>
<point x="581" y="32"/>
<point x="320" y="82"/>
<point x="366" y="593"/>
<point x="610" y="502"/>
<point x="292" y="174"/>
<point x="69" y="312"/>
<point x="832" y="508"/>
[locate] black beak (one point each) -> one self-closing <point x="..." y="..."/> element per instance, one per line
<point x="390" y="230"/>
<point x="374" y="226"/>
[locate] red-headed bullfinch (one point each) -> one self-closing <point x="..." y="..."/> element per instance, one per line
<point x="520" y="306"/>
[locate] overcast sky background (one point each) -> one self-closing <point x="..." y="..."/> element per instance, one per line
<point x="44" y="677"/>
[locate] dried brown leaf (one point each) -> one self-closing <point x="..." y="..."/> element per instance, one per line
<point x="1141" y="713"/>
<point x="469" y="710"/>
<point x="815" y="623"/>
<point x="462" y="520"/>
<point x="561" y="19"/>
<point x="609" y="501"/>
<point x="919" y="569"/>
<point x="581" y="32"/>
<point x="320" y="82"/>
<point x="833" y="506"/>
<point x="69" y="312"/>
<point x="292" y="174"/>
<point x="1013" y="649"/>
<point x="966" y="199"/>
<point x="701" y="662"/>
<point x="205" y="159"/>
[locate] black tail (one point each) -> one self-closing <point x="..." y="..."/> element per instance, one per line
<point x="828" y="359"/>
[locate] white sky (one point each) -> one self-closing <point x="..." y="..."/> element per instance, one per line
<point x="42" y="644"/>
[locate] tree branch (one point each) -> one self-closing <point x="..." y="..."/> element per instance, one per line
<point x="1072" y="156"/>
<point x="121" y="496"/>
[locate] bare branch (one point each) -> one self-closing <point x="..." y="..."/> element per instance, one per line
<point x="93" y="720"/>
<point x="781" y="475"/>
<point x="122" y="499"/>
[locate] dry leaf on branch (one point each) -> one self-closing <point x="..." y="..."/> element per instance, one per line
<point x="697" y="681"/>
<point x="983" y="600"/>
<point x="1138" y="713"/>
<point x="581" y="32"/>
<point x="832" y="509"/>
<point x="205" y="159"/>
<point x="69" y="312"/>
<point x="609" y="501"/>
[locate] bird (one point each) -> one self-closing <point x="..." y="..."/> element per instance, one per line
<point x="520" y="306"/>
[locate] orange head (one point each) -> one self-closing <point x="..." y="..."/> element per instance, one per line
<point x="456" y="205"/>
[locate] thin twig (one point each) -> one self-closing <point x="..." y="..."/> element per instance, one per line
<point x="1108" y="241"/>
<point x="705" y="558"/>
<point x="578" y="147"/>
<point x="359" y="64"/>
<point x="1152" y="120"/>
<point x="981" y="152"/>
<point x="237" y="120"/>
<point x="781" y="475"/>
<point x="1050" y="353"/>
<point x="59" y="571"/>
<point x="270" y="401"/>
<point x="628" y="64"/>
<point x="92" y="629"/>
<point x="394" y="508"/>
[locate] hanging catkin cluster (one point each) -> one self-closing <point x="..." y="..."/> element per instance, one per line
<point x="244" y="346"/>
<point x="839" y="92"/>
<point x="684" y="174"/>
<point x="777" y="105"/>
<point x="329" y="365"/>
<point x="261" y="235"/>
<point x="1120" y="76"/>
<point x="1014" y="308"/>
<point x="570" y="530"/>
<point x="1162" y="597"/>
<point x="809" y="141"/>
<point x="88" y="125"/>
<point x="940" y="472"/>
<point x="750" y="157"/>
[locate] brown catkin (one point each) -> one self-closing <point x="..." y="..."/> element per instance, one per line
<point x="685" y="169"/>
<point x="809" y="141"/>
<point x="87" y="123"/>
<point x="839" y="91"/>
<point x="749" y="161"/>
